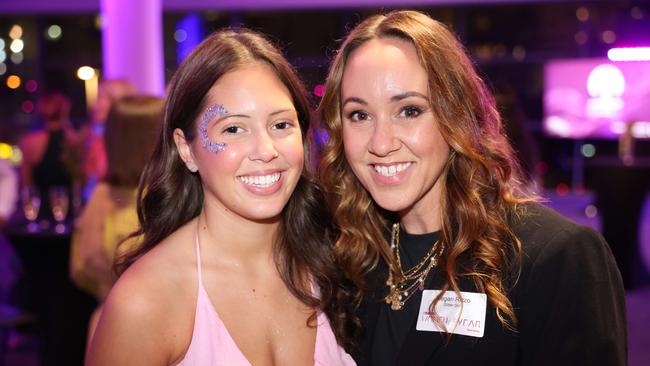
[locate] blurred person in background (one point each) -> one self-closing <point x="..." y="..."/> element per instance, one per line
<point x="9" y="261"/>
<point x="110" y="215"/>
<point x="51" y="154"/>
<point x="8" y="191"/>
<point x="95" y="162"/>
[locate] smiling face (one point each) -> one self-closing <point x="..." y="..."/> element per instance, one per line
<point x="255" y="174"/>
<point x="390" y="134"/>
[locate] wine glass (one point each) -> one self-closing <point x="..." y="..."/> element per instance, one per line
<point x="30" y="199"/>
<point x="59" y="202"/>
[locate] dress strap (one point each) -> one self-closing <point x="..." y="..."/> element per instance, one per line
<point x="198" y="256"/>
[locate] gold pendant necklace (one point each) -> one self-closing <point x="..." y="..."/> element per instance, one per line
<point x="402" y="285"/>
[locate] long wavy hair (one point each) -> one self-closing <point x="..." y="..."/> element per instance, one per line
<point x="481" y="185"/>
<point x="170" y="196"/>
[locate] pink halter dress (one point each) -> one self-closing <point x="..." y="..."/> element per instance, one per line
<point x="212" y="345"/>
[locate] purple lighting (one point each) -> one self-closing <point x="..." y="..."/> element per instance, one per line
<point x="629" y="54"/>
<point x="596" y="98"/>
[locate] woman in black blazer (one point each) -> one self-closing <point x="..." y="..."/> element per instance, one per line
<point x="452" y="262"/>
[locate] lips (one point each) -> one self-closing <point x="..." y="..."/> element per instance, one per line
<point x="390" y="170"/>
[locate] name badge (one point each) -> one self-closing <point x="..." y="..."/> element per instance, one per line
<point x="464" y="314"/>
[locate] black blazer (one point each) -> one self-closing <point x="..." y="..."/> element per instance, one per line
<point x="569" y="302"/>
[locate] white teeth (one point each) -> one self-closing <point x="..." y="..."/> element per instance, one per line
<point x="261" y="181"/>
<point x="389" y="171"/>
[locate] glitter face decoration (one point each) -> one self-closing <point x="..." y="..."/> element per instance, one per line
<point x="215" y="111"/>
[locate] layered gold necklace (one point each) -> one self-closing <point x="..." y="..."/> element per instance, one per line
<point x="402" y="285"/>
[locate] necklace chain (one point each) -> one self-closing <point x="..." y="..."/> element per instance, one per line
<point x="402" y="285"/>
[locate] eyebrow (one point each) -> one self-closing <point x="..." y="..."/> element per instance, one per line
<point x="398" y="97"/>
<point x="248" y="116"/>
<point x="394" y="98"/>
<point x="354" y="100"/>
<point x="282" y="111"/>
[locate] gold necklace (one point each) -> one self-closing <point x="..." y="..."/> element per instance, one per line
<point x="403" y="285"/>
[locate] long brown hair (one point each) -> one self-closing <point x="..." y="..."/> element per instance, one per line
<point x="170" y="196"/>
<point x="481" y="186"/>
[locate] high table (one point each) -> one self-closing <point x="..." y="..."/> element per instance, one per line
<point x="61" y="310"/>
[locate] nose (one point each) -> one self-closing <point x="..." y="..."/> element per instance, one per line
<point x="383" y="140"/>
<point x="263" y="148"/>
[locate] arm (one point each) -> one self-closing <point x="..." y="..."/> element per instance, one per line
<point x="89" y="267"/>
<point x="26" y="146"/>
<point x="8" y="191"/>
<point x="572" y="301"/>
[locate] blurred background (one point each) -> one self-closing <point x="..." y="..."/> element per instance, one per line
<point x="572" y="80"/>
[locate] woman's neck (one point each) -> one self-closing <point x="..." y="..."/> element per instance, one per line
<point x="237" y="239"/>
<point x="420" y="221"/>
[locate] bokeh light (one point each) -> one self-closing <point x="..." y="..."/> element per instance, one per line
<point x="53" y="32"/>
<point x="562" y="189"/>
<point x="591" y="211"/>
<point x="588" y="150"/>
<point x="636" y="13"/>
<point x="17" y="45"/>
<point x="519" y="53"/>
<point x="609" y="36"/>
<point x="319" y="90"/>
<point x="3" y="56"/>
<point x="3" y="68"/>
<point x="85" y="73"/>
<point x="5" y="151"/>
<point x="541" y="168"/>
<point x="180" y="35"/>
<point x="16" y="31"/>
<point x="629" y="54"/>
<point x="582" y="14"/>
<point x="31" y="86"/>
<point x="17" y="156"/>
<point x="13" y="82"/>
<point x="27" y="106"/>
<point x="98" y="22"/>
<point x="17" y="58"/>
<point x="581" y="37"/>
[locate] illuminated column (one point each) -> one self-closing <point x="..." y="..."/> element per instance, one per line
<point x="132" y="43"/>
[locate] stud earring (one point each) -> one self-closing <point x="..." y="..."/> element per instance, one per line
<point x="192" y="167"/>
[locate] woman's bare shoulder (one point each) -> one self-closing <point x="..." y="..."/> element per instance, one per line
<point x="157" y="276"/>
<point x="148" y="316"/>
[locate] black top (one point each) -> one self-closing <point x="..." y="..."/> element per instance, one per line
<point x="569" y="303"/>
<point x="393" y="326"/>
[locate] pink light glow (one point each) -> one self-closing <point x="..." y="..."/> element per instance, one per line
<point x="132" y="43"/>
<point x="31" y="86"/>
<point x="28" y="106"/>
<point x="595" y="98"/>
<point x="319" y="90"/>
<point x="629" y="54"/>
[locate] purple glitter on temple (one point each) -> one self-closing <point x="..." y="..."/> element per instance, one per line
<point x="216" y="110"/>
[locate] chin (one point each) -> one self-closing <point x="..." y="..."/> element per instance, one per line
<point x="392" y="202"/>
<point x="264" y="213"/>
<point x="265" y="219"/>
